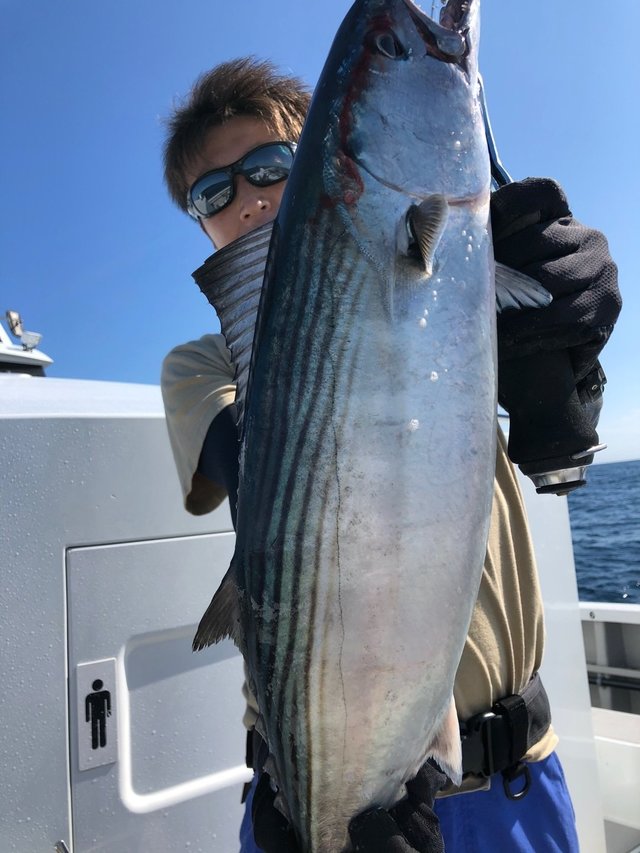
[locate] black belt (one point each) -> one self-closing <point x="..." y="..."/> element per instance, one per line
<point x="496" y="741"/>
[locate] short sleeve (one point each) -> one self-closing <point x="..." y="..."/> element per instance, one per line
<point x="197" y="384"/>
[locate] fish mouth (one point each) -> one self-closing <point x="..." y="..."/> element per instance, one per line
<point x="447" y="38"/>
<point x="454" y="14"/>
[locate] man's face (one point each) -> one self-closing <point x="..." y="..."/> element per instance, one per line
<point x="251" y="206"/>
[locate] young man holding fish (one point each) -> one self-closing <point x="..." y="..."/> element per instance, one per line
<point x="227" y="158"/>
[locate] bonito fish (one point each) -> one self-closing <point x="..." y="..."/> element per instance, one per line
<point x="368" y="443"/>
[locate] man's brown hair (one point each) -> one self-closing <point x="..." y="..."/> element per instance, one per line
<point x="241" y="87"/>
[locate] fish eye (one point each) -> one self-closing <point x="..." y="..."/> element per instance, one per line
<point x="388" y="44"/>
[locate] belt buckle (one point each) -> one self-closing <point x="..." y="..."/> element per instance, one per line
<point x="477" y="743"/>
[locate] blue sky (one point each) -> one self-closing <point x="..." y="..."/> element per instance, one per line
<point x="93" y="254"/>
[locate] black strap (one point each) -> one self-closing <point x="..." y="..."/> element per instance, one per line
<point x="514" y="710"/>
<point x="497" y="740"/>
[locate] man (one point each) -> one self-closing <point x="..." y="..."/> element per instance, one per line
<point x="226" y="163"/>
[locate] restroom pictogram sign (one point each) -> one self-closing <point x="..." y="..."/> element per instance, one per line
<point x="96" y="713"/>
<point x="97" y="707"/>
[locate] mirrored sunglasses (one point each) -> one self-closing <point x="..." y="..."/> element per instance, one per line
<point x="262" y="166"/>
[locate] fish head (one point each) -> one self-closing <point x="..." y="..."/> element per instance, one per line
<point x="409" y="114"/>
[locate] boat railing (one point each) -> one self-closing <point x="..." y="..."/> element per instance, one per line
<point x="611" y="635"/>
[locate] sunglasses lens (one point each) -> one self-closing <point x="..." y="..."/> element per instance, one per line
<point x="268" y="164"/>
<point x="211" y="193"/>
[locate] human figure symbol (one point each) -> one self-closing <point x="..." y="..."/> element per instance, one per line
<point x="97" y="706"/>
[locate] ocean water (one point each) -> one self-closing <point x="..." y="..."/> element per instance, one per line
<point x="605" y="528"/>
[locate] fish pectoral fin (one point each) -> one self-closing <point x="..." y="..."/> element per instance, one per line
<point x="516" y="291"/>
<point x="221" y="618"/>
<point x="426" y="222"/>
<point x="446" y="748"/>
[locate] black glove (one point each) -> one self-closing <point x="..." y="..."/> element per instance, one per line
<point x="548" y="366"/>
<point x="409" y="827"/>
<point x="534" y="232"/>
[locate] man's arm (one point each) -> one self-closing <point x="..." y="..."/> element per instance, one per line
<point x="218" y="461"/>
<point x="197" y="386"/>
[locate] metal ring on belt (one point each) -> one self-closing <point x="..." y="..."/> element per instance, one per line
<point x="496" y="741"/>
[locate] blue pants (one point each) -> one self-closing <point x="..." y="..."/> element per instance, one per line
<point x="487" y="821"/>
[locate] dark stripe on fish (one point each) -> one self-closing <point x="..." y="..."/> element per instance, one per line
<point x="306" y="373"/>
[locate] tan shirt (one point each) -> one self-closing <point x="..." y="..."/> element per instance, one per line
<point x="506" y="636"/>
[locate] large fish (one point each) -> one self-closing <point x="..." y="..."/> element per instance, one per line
<point x="368" y="442"/>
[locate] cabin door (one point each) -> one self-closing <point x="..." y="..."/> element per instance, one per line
<point x="156" y="739"/>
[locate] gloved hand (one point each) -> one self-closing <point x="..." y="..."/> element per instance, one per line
<point x="535" y="232"/>
<point x="548" y="370"/>
<point x="409" y="827"/>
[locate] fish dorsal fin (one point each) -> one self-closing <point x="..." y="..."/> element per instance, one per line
<point x="222" y="617"/>
<point x="426" y="222"/>
<point x="515" y="290"/>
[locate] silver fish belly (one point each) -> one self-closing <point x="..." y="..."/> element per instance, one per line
<point x="367" y="456"/>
